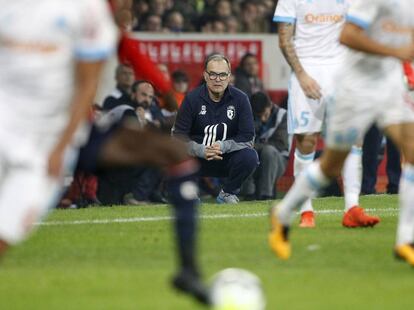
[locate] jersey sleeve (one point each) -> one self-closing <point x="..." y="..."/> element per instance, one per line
<point x="96" y="35"/>
<point x="363" y="12"/>
<point x="285" y="11"/>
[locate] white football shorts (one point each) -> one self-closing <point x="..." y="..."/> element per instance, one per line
<point x="355" y="107"/>
<point x="26" y="190"/>
<point x="306" y="115"/>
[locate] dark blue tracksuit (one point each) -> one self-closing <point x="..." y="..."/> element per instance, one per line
<point x="201" y="122"/>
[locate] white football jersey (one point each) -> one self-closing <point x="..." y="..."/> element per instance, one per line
<point x="389" y="22"/>
<point x="39" y="43"/>
<point x="318" y="24"/>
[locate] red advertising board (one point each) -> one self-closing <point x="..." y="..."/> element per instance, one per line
<point x="189" y="55"/>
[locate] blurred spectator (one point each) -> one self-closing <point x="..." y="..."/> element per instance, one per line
<point x="140" y="9"/>
<point x="124" y="76"/>
<point x="247" y="75"/>
<point x="223" y="8"/>
<point x="189" y="10"/>
<point x="164" y="69"/>
<point x="271" y="143"/>
<point x="174" y="21"/>
<point x="152" y="23"/>
<point x="180" y="83"/>
<point x="249" y="16"/>
<point x="232" y="24"/>
<point x="159" y="7"/>
<point x="214" y="25"/>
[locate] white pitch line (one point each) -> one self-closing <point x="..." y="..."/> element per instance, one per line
<point x="208" y="217"/>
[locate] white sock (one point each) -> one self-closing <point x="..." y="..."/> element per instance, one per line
<point x="306" y="186"/>
<point x="352" y="177"/>
<point x="300" y="163"/>
<point x="405" y="230"/>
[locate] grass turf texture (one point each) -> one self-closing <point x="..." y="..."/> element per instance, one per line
<point x="126" y="265"/>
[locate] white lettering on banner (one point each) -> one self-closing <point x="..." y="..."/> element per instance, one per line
<point x="194" y="52"/>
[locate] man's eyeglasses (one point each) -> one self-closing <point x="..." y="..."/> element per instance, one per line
<point x="222" y="75"/>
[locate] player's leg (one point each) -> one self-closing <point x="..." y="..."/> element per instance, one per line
<point x="347" y="123"/>
<point x="183" y="194"/>
<point x="129" y="145"/>
<point x="403" y="136"/>
<point x="317" y="176"/>
<point x="303" y="157"/>
<point x="132" y="146"/>
<point x="354" y="215"/>
<point x="352" y="175"/>
<point x="19" y="213"/>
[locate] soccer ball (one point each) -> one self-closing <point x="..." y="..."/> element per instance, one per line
<point x="237" y="289"/>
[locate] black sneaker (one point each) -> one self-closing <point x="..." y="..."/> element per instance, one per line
<point x="190" y="283"/>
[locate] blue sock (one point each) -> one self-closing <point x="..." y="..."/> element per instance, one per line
<point x="183" y="194"/>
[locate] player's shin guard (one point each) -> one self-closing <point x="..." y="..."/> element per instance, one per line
<point x="352" y="176"/>
<point x="300" y="163"/>
<point x="183" y="194"/>
<point x="305" y="187"/>
<point x="405" y="230"/>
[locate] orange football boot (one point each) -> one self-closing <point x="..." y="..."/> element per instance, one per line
<point x="405" y="252"/>
<point x="278" y="237"/>
<point x="356" y="217"/>
<point x="307" y="220"/>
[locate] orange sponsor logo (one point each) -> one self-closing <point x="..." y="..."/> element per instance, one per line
<point x="323" y="18"/>
<point x="28" y="46"/>
<point x="392" y="27"/>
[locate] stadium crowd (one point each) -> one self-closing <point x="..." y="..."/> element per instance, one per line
<point x="207" y="16"/>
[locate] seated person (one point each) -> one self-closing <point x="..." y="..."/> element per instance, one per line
<point x="135" y="185"/>
<point x="271" y="144"/>
<point x="124" y="76"/>
<point x="247" y="75"/>
<point x="216" y="120"/>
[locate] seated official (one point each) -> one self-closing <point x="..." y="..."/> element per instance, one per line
<point x="216" y="120"/>
<point x="271" y="143"/>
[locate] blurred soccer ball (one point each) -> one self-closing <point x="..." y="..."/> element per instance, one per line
<point x="237" y="289"/>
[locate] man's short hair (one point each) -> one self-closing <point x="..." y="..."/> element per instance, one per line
<point x="179" y="76"/>
<point x="259" y="101"/>
<point x="216" y="57"/>
<point x="121" y="67"/>
<point x="134" y="86"/>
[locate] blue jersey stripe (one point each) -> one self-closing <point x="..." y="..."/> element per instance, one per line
<point x="284" y="19"/>
<point x="93" y="54"/>
<point x="357" y="21"/>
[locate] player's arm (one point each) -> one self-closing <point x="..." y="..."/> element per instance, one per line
<point x="309" y="86"/>
<point x="86" y="81"/>
<point x="354" y="36"/>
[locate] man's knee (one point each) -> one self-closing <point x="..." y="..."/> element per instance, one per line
<point x="269" y="152"/>
<point x="248" y="158"/>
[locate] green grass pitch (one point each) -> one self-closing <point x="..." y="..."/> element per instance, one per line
<point x="122" y="258"/>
